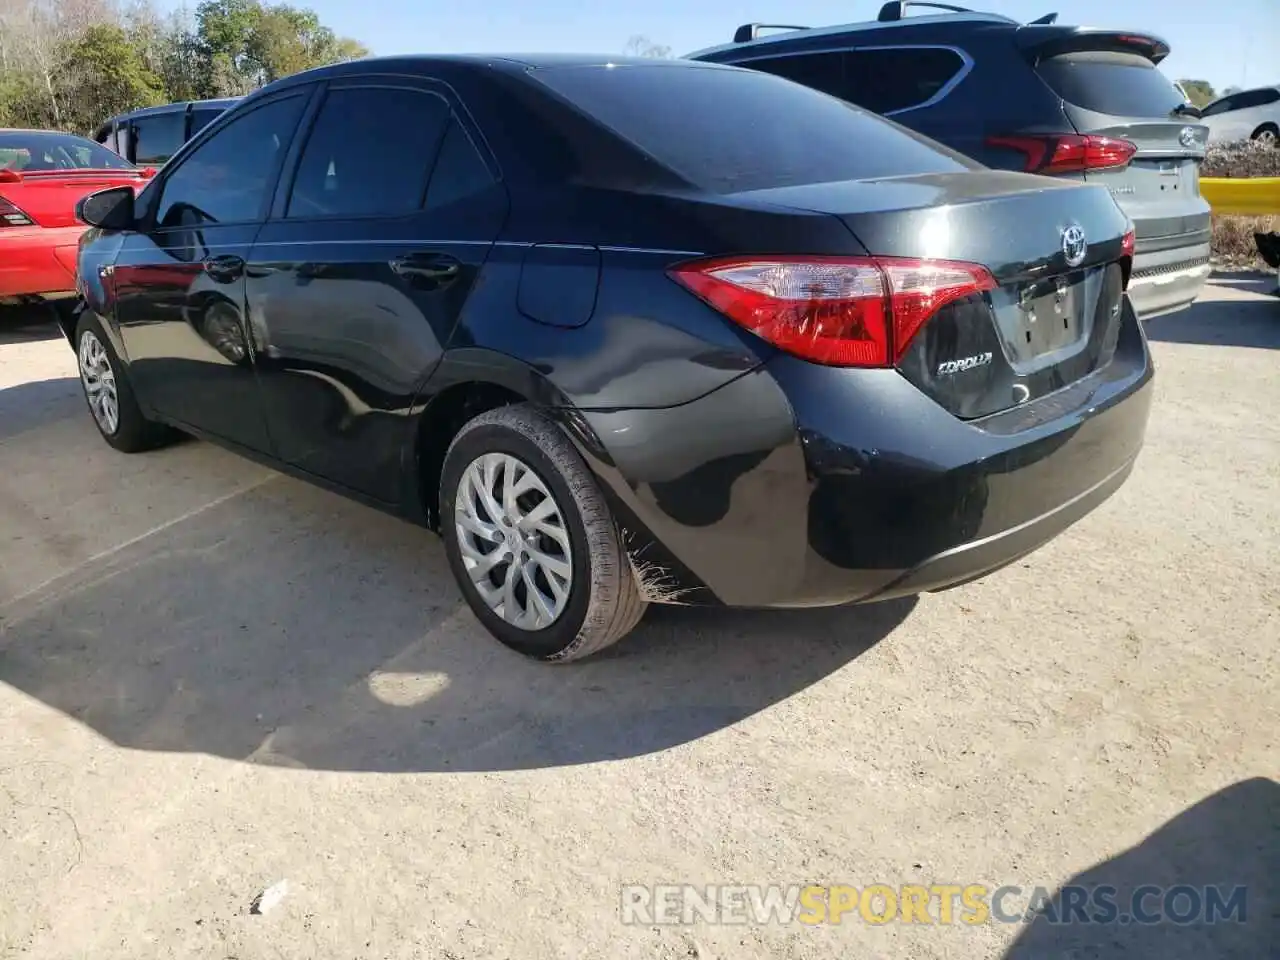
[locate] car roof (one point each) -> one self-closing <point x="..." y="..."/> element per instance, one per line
<point x="507" y="62"/>
<point x="176" y="107"/>
<point x="510" y="63"/>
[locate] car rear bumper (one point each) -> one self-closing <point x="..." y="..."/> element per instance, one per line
<point x="800" y="485"/>
<point x="38" y="262"/>
<point x="1168" y="280"/>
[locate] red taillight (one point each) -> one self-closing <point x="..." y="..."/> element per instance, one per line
<point x="841" y="311"/>
<point x="1128" y="243"/>
<point x="1068" y="152"/>
<point x="11" y="216"/>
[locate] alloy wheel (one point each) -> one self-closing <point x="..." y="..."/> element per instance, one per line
<point x="513" y="541"/>
<point x="99" y="383"/>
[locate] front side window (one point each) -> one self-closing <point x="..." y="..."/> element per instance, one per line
<point x="226" y="178"/>
<point x="157" y="138"/>
<point x="1254" y="98"/>
<point x="369" y="153"/>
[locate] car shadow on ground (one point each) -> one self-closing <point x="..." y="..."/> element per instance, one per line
<point x="28" y="324"/>
<point x="287" y="626"/>
<point x="1228" y="841"/>
<point x="1228" y="323"/>
<point x="39" y="403"/>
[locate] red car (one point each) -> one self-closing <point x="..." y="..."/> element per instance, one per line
<point x="42" y="175"/>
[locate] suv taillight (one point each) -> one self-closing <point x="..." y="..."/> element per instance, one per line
<point x="11" y="216"/>
<point x="1068" y="152"/>
<point x="840" y="311"/>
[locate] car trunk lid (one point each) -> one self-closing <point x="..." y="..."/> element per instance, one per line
<point x="49" y="197"/>
<point x="1056" y="251"/>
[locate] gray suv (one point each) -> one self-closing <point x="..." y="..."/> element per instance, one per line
<point x="1042" y="97"/>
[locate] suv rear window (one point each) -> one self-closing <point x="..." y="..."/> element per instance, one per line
<point x="734" y="130"/>
<point x="1119" y="84"/>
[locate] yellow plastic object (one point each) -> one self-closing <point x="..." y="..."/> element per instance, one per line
<point x="1248" y="197"/>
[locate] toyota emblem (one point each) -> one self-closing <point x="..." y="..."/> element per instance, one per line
<point x="1074" y="246"/>
<point x="1187" y="137"/>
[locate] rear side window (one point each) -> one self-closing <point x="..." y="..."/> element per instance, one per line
<point x="883" y="80"/>
<point x="1119" y="84"/>
<point x="157" y="138"/>
<point x="732" y="130"/>
<point x="459" y="171"/>
<point x="369" y="153"/>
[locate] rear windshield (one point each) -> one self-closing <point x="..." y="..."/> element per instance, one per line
<point x="728" y="130"/>
<point x="1119" y="84"/>
<point x="38" y="150"/>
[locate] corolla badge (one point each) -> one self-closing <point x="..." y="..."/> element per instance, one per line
<point x="1074" y="245"/>
<point x="1187" y="137"/>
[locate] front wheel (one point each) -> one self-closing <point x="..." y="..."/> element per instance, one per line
<point x="531" y="540"/>
<point x="1268" y="135"/>
<point x="109" y="393"/>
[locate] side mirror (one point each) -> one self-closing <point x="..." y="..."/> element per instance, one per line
<point x="110" y="209"/>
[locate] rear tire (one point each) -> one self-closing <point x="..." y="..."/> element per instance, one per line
<point x="550" y="580"/>
<point x="1268" y="134"/>
<point x="109" y="394"/>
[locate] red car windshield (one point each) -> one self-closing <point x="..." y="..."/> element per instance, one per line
<point x="34" y="150"/>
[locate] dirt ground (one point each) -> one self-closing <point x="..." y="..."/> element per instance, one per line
<point x="214" y="678"/>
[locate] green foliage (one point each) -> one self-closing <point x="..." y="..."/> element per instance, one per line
<point x="103" y="73"/>
<point x="72" y="65"/>
<point x="1199" y="92"/>
<point x="246" y="44"/>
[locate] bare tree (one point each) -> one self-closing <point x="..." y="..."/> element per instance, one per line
<point x="641" y="46"/>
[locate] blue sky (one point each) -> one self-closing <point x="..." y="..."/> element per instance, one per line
<point x="1228" y="42"/>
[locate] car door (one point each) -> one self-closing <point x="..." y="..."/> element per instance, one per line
<point x="179" y="278"/>
<point x="1260" y="108"/>
<point x="356" y="282"/>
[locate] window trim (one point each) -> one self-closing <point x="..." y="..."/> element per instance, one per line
<point x="306" y="91"/>
<point x="966" y="66"/>
<point x="427" y="86"/>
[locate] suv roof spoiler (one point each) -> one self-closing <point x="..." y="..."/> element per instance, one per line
<point x="889" y="13"/>
<point x="1048" y="41"/>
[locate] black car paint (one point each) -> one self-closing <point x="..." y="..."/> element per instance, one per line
<point x="740" y="475"/>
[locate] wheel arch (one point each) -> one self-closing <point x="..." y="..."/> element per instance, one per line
<point x="468" y="382"/>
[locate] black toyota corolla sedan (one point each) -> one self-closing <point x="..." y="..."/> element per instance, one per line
<point x="625" y="332"/>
